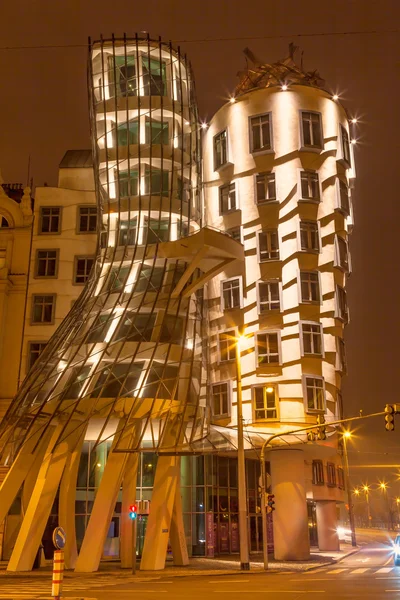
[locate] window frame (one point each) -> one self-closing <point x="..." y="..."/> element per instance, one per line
<point x="338" y="201"/>
<point x="336" y="262"/>
<point x="36" y="274"/>
<point x="226" y="163"/>
<point x="29" y="365"/>
<point x="278" y="332"/>
<point x="301" y="332"/>
<point x="301" y="198"/>
<point x="239" y="227"/>
<point x="341" y="358"/>
<point x="220" y="189"/>
<point x="331" y="474"/>
<point x="309" y="302"/>
<point x="40" y="221"/>
<point x="309" y="250"/>
<point x="228" y="384"/>
<point x="83" y="257"/>
<point x="240" y="278"/>
<point x="318" y="475"/>
<point x="253" y="402"/>
<point x="341" y="151"/>
<point x="265" y="201"/>
<point x="268" y="233"/>
<point x="271" y="310"/>
<point x="340" y="478"/>
<point x="222" y="331"/>
<point x="303" y="147"/>
<point x="313" y="411"/>
<point x="251" y="140"/>
<point x="53" y="311"/>
<point x="78" y="219"/>
<point x="345" y="318"/>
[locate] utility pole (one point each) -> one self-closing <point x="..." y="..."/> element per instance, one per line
<point x="366" y="491"/>
<point x="345" y="436"/>
<point x="243" y="537"/>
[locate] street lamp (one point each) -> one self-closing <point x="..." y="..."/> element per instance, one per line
<point x="366" y="492"/>
<point x="398" y="508"/>
<point x="242" y="497"/>
<point x="384" y="488"/>
<point x="346" y="436"/>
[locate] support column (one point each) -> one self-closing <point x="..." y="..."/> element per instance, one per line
<point x="177" y="533"/>
<point x="290" y="520"/>
<point x="328" y="538"/>
<point x="128" y="497"/>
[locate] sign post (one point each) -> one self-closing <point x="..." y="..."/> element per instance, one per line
<point x="133" y="517"/>
<point x="59" y="539"/>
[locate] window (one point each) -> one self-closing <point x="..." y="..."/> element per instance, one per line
<point x="157" y="132"/>
<point x="331" y="473"/>
<point x="220" y="400"/>
<point x="314" y="393"/>
<point x="268" y="245"/>
<point x="309" y="236"/>
<point x="83" y="265"/>
<point x="309" y="183"/>
<point x="341" y="363"/>
<point x="156" y="181"/>
<point x="235" y="233"/>
<point x="128" y="183"/>
<point x="150" y="280"/>
<point x="309" y="285"/>
<point x="50" y="219"/>
<point x="123" y="76"/>
<point x="227" y="198"/>
<point x="156" y="230"/>
<point x="344" y="138"/>
<point x="268" y="296"/>
<point x="154" y="77"/>
<point x="172" y="328"/>
<point x="43" y="309"/>
<point x="311" y="130"/>
<point x="35" y="350"/>
<point x="118" y="380"/>
<point x="220" y="149"/>
<point x="265" y="187"/>
<point x="268" y="348"/>
<point x="343" y="200"/>
<point x="87" y="219"/>
<point x="161" y="382"/>
<point x="340" y="478"/>
<point x="318" y="472"/>
<point x="265" y="402"/>
<point x="342" y="254"/>
<point x="231" y="293"/>
<point x="311" y="335"/>
<point x="98" y="330"/>
<point x="342" y="311"/>
<point x="127" y="232"/>
<point x="3" y="222"/>
<point x="46" y="263"/>
<point x="76" y="383"/>
<point x="136" y="327"/>
<point x="128" y="133"/>
<point x="227" y="345"/>
<point x="260" y="133"/>
<point x="117" y="278"/>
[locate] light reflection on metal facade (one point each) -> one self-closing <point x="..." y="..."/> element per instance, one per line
<point x="128" y="357"/>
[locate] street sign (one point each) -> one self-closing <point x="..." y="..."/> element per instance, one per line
<point x="59" y="538"/>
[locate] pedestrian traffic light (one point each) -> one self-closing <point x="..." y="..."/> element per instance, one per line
<point x="271" y="503"/>
<point x="321" y="430"/>
<point x="133" y="512"/>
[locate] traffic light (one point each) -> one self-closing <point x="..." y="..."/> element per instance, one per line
<point x="390" y="410"/>
<point x="321" y="430"/>
<point x="311" y="436"/>
<point x="133" y="512"/>
<point x="271" y="503"/>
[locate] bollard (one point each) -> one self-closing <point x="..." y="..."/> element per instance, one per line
<point x="58" y="573"/>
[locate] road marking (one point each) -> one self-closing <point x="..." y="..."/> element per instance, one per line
<point x="384" y="570"/>
<point x="270" y="591"/>
<point x="388" y="561"/>
<point x="231" y="581"/>
<point x="336" y="571"/>
<point x="358" y="571"/>
<point x="316" y="579"/>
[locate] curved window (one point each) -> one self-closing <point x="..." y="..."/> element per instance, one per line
<point x="3" y="222"/>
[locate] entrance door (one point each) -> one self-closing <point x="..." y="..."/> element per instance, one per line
<point x="141" y="532"/>
<point x="312" y="523"/>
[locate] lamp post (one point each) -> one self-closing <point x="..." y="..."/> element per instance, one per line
<point x="398" y="509"/>
<point x="243" y="538"/>
<point x="383" y="487"/>
<point x="346" y="435"/>
<point x="366" y="492"/>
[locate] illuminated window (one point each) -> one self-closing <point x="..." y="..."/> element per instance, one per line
<point x="311" y="336"/>
<point x="34" y="351"/>
<point x="268" y="348"/>
<point x="46" y="263"/>
<point x="122" y="76"/>
<point x="343" y="200"/>
<point x="265" y="402"/>
<point x="50" y="219"/>
<point x="136" y="327"/>
<point x="156" y="181"/>
<point x="157" y="132"/>
<point x="265" y="187"/>
<point x="342" y="254"/>
<point x="260" y="133"/>
<point x="220" y="149"/>
<point x="43" y="308"/>
<point x="331" y="474"/>
<point x="150" y="279"/>
<point x="235" y="233"/>
<point x="341" y="360"/>
<point x="156" y="230"/>
<point x="345" y="146"/>
<point x="311" y="130"/>
<point x="83" y="266"/>
<point x="117" y="278"/>
<point x="309" y="287"/>
<point x="318" y="472"/>
<point x="227" y="345"/>
<point x="342" y="311"/>
<point x="76" y="383"/>
<point x="268" y="296"/>
<point x="87" y="219"/>
<point x="314" y="393"/>
<point x="154" y="77"/>
<point x="309" y="181"/>
<point x="99" y="328"/>
<point x="231" y="293"/>
<point x="227" y="198"/>
<point x="220" y="399"/>
<point x="128" y="183"/>
<point x="127" y="232"/>
<point x="128" y="133"/>
<point x="118" y="380"/>
<point x="268" y="245"/>
<point x="309" y="236"/>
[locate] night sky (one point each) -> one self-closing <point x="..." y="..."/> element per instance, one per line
<point x="43" y="112"/>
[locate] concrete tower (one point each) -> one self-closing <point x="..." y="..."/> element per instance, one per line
<point x="278" y="172"/>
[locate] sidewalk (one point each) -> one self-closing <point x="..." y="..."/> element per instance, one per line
<point x="221" y="565"/>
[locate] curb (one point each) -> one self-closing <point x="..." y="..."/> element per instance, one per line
<point x="335" y="561"/>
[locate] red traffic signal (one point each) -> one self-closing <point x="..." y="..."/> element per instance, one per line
<point x="133" y="511"/>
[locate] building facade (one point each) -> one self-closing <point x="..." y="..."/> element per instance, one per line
<point x="140" y="367"/>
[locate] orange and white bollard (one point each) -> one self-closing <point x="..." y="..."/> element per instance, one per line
<point x="58" y="574"/>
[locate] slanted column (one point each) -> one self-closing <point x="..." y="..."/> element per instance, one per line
<point x="328" y="538"/>
<point x="128" y="498"/>
<point x="291" y="538"/>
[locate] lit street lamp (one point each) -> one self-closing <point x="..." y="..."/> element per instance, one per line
<point x="384" y="487"/>
<point x="347" y="435"/>
<point x="366" y="492"/>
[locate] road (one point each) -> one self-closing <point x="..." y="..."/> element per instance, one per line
<point x="368" y="574"/>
